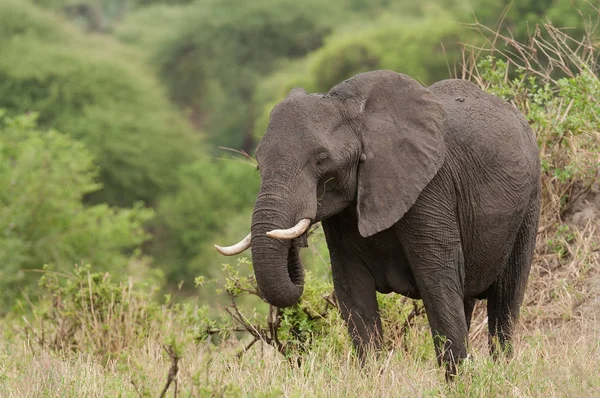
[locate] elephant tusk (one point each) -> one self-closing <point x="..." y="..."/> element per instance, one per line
<point x="235" y="249"/>
<point x="290" y="233"/>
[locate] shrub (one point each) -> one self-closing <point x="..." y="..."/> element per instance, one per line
<point x="83" y="311"/>
<point x="148" y="27"/>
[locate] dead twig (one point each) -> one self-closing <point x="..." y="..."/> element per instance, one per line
<point x="246" y="348"/>
<point x="172" y="377"/>
<point x="240" y="152"/>
<point x="408" y="322"/>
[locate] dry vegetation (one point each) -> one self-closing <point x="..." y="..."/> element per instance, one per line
<point x="553" y="80"/>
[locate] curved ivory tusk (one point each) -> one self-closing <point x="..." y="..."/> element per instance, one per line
<point x="290" y="233"/>
<point x="235" y="249"/>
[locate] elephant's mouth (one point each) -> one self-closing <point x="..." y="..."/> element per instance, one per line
<point x="301" y="241"/>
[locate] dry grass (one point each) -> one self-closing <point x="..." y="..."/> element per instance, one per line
<point x="562" y="361"/>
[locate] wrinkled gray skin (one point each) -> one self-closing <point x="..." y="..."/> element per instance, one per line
<point x="431" y="193"/>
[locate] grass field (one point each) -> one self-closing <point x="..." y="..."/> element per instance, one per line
<point x="560" y="361"/>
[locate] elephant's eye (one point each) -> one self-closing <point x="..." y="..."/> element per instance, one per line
<point x="322" y="161"/>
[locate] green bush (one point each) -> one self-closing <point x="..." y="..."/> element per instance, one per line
<point x="98" y="92"/>
<point x="426" y="49"/>
<point x="522" y="17"/>
<point x="83" y="311"/>
<point x="44" y="176"/>
<point x="20" y="18"/>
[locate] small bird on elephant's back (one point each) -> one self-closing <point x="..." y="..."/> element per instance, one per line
<point x="433" y="193"/>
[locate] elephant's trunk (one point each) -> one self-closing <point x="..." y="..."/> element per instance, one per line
<point x="277" y="267"/>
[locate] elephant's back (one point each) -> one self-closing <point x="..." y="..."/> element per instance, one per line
<point x="486" y="126"/>
<point x="493" y="157"/>
<point x="484" y="119"/>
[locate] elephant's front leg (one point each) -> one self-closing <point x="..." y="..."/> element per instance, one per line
<point x="355" y="290"/>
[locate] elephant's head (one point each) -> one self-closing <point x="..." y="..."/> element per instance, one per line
<point x="373" y="142"/>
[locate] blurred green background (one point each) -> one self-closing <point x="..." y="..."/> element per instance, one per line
<point x="113" y="113"/>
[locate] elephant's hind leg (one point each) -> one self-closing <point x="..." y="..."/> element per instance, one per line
<point x="505" y="296"/>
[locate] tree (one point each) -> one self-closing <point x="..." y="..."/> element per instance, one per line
<point x="190" y="220"/>
<point x="427" y="49"/>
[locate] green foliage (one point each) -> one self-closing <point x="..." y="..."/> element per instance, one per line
<point x="140" y="3"/>
<point x="148" y="27"/>
<point x="88" y="312"/>
<point x="292" y="331"/>
<point x="44" y="176"/>
<point x="19" y="18"/>
<point x="100" y="94"/>
<point x="425" y="49"/>
<point x="83" y="311"/>
<point x="562" y="240"/>
<point x="522" y="17"/>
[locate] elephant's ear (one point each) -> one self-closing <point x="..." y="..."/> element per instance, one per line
<point x="403" y="147"/>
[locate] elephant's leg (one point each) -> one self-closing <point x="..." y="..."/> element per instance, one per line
<point x="358" y="305"/>
<point x="354" y="288"/>
<point x="432" y="244"/>
<point x="506" y="294"/>
<point x="469" y="305"/>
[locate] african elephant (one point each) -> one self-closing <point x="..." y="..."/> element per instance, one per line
<point x="433" y="193"/>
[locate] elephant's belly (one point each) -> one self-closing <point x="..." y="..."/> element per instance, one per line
<point x="399" y="279"/>
<point x="390" y="269"/>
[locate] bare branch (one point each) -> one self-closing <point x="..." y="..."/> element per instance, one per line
<point x="172" y="376"/>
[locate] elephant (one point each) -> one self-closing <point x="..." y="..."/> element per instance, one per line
<point x="432" y="193"/>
